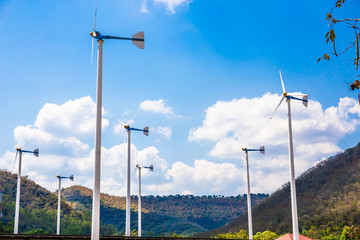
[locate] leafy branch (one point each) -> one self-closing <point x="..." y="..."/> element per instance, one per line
<point x="330" y="35"/>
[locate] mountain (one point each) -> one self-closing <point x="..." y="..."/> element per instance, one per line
<point x="37" y="209"/>
<point x="327" y="196"/>
<point x="164" y="215"/>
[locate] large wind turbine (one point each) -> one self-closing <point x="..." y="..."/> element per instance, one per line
<point x="138" y="40"/>
<point x="59" y="201"/>
<point x="304" y="100"/>
<point x="246" y="150"/>
<point x="17" y="205"/>
<point x="146" y="133"/>
<point x="138" y="166"/>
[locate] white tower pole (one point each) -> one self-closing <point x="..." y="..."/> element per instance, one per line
<point x="127" y="232"/>
<point x="17" y="206"/>
<point x="139" y="205"/>
<point x="292" y="178"/>
<point x="95" y="227"/>
<point x="59" y="206"/>
<point x="249" y="198"/>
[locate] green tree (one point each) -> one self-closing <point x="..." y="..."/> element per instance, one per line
<point x="236" y="235"/>
<point x="266" y="235"/>
<point x="350" y="233"/>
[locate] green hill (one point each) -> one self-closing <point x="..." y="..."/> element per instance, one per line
<point x="38" y="209"/>
<point x="162" y="215"/>
<point x="165" y="215"/>
<point x="328" y="197"/>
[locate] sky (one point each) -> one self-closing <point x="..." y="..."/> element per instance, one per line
<point x="206" y="84"/>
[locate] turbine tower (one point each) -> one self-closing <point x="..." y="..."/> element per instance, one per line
<point x="138" y="166"/>
<point x="138" y="40"/>
<point x="246" y="150"/>
<point x="146" y="133"/>
<point x="17" y="205"/>
<point x="304" y="100"/>
<point x="59" y="202"/>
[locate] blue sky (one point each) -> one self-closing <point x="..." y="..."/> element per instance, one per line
<point x="206" y="84"/>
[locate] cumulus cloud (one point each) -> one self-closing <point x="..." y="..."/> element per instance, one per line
<point x="172" y="4"/>
<point x="73" y="117"/>
<point x="156" y="106"/>
<point x="231" y="125"/>
<point x="165" y="131"/>
<point x="204" y="177"/>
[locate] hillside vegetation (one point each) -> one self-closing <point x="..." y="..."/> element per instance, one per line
<point x="162" y="215"/>
<point x="328" y="197"/>
<point x="165" y="215"/>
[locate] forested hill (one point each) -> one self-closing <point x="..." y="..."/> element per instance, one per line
<point x="165" y="215"/>
<point x="37" y="209"/>
<point x="327" y="196"/>
<point x="162" y="215"/>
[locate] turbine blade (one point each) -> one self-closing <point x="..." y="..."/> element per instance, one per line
<point x="282" y="99"/>
<point x="92" y="43"/>
<point x="121" y="122"/>
<point x="132" y="120"/>
<point x="95" y="15"/>
<point x="92" y="50"/>
<point x="282" y="82"/>
<point x="15" y="158"/>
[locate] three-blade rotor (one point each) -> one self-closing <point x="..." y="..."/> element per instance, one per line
<point x="145" y="130"/>
<point x="304" y="98"/>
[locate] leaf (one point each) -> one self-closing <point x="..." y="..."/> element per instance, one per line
<point x="332" y="35"/>
<point x="327" y="34"/>
<point x="326" y="56"/>
<point x="319" y="59"/>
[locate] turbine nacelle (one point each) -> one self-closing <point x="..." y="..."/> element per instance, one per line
<point x="261" y="150"/>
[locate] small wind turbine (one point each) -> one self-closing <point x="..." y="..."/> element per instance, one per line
<point x="17" y="205"/>
<point x="304" y="100"/>
<point x="59" y="201"/>
<point x="145" y="130"/>
<point x="246" y="150"/>
<point x="138" y="166"/>
<point x="138" y="40"/>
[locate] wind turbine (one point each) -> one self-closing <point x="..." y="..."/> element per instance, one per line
<point x="138" y="166"/>
<point x="246" y="150"/>
<point x="304" y="100"/>
<point x="146" y="133"/>
<point x="59" y="201"/>
<point x="17" y="205"/>
<point x="138" y="40"/>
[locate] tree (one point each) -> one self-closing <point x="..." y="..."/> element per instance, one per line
<point x="266" y="235"/>
<point x="350" y="233"/>
<point x="236" y="235"/>
<point x="330" y="36"/>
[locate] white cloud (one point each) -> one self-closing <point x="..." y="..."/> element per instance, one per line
<point x="73" y="117"/>
<point x="172" y="4"/>
<point x="156" y="106"/>
<point x="235" y="124"/>
<point x="144" y="8"/>
<point x="165" y="131"/>
<point x="203" y="178"/>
